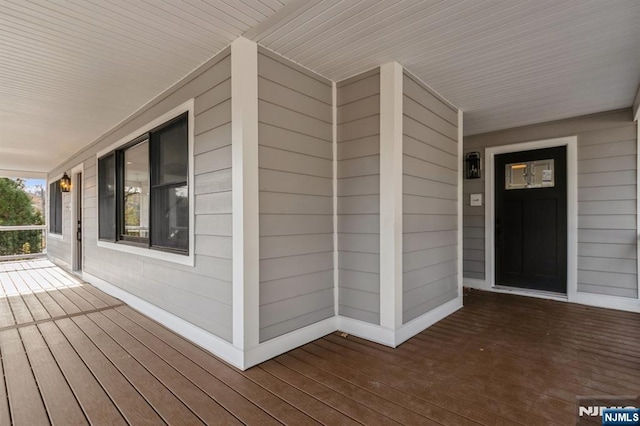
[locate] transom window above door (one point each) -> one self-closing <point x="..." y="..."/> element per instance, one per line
<point x="530" y="174"/>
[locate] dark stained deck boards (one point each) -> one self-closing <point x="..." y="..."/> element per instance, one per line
<point x="24" y="397"/>
<point x="89" y="394"/>
<point x="71" y="354"/>
<point x="54" y="389"/>
<point x="134" y="408"/>
<point x="190" y="395"/>
<point x="193" y="375"/>
<point x="5" y="416"/>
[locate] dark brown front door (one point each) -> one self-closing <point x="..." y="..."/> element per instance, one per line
<point x="531" y="219"/>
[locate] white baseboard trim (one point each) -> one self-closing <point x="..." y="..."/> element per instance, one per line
<point x="366" y="330"/>
<point x="60" y="263"/>
<point x="286" y="342"/>
<point x="591" y="299"/>
<point x="281" y="344"/>
<point x="609" y="302"/>
<point x="538" y="294"/>
<point x="417" y="325"/>
<point x="195" y="334"/>
<point x="387" y="337"/>
<point x="476" y="283"/>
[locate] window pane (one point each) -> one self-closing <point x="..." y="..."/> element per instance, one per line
<point x="55" y="208"/>
<point x="107" y="197"/>
<point x="531" y="174"/>
<point x="171" y="217"/>
<point x="136" y="191"/>
<point x="170" y="153"/>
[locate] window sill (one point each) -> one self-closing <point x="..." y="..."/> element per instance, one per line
<point x="55" y="236"/>
<point x="153" y="254"/>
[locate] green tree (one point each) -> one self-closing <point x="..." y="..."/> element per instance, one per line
<point x="16" y="209"/>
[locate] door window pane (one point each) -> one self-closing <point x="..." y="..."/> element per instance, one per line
<point x="135" y="200"/>
<point x="530" y="174"/>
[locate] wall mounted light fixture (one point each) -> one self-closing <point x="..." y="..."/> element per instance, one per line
<point x="65" y="183"/>
<point x="472" y="164"/>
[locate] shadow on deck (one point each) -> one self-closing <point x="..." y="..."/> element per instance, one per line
<point x="71" y="354"/>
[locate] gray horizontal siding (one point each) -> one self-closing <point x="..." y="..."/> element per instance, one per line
<point x="429" y="201"/>
<point x="200" y="294"/>
<point x="296" y="197"/>
<point x="607" y="192"/>
<point x="358" y="116"/>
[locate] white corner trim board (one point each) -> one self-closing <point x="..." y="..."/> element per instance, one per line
<point x="245" y="193"/>
<point x="336" y="252"/>
<point x="571" y="142"/>
<point x="638" y="199"/>
<point x="391" y="141"/>
<point x="460" y="200"/>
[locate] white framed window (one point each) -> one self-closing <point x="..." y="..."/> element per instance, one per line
<point x="145" y="190"/>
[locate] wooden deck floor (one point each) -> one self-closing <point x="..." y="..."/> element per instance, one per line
<point x="71" y="354"/>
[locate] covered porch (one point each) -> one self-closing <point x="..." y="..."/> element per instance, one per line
<point x="72" y="354"/>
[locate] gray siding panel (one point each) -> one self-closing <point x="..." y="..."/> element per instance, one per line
<point x="430" y="206"/>
<point x="200" y="294"/>
<point x="607" y="192"/>
<point x="296" y="197"/>
<point x="359" y="197"/>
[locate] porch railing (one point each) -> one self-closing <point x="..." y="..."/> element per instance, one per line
<point x="20" y="242"/>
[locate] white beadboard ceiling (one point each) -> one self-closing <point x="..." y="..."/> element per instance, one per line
<point x="70" y="70"/>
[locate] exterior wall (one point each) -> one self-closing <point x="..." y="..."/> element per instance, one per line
<point x="607" y="197"/>
<point x="430" y="206"/>
<point x="358" y="116"/>
<point x="200" y="294"/>
<point x="296" y="196"/>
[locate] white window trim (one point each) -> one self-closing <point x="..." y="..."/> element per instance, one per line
<point x="189" y="260"/>
<point x="571" y="143"/>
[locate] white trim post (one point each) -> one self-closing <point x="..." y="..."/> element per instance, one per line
<point x="460" y="199"/>
<point x="336" y="257"/>
<point x="391" y="75"/>
<point x="245" y="196"/>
